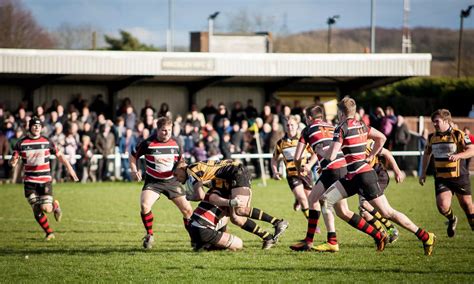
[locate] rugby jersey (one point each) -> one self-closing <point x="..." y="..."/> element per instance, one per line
<point x="214" y="173"/>
<point x="320" y="132"/>
<point x="35" y="156"/>
<point x="286" y="146"/>
<point x="444" y="144"/>
<point x="352" y="134"/>
<point x="208" y="214"/>
<point x="160" y="157"/>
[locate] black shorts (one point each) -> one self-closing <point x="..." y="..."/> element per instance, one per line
<point x="383" y="178"/>
<point x="365" y="184"/>
<point x="306" y="181"/>
<point x="460" y="185"/>
<point x="203" y="237"/>
<point x="39" y="189"/>
<point x="171" y="188"/>
<point x="241" y="177"/>
<point x="328" y="177"/>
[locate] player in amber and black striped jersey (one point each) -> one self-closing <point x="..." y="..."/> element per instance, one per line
<point x="238" y="179"/>
<point x="450" y="148"/>
<point x="351" y="136"/>
<point x="35" y="151"/>
<point x="286" y="148"/>
<point x="162" y="154"/>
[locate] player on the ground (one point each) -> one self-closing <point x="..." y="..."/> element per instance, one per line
<point x="162" y="154"/>
<point x="450" y="148"/>
<point x="238" y="178"/>
<point x="209" y="220"/>
<point x="286" y="147"/>
<point x="351" y="136"/>
<point x="35" y="151"/>
<point x="368" y="211"/>
<point x="319" y="134"/>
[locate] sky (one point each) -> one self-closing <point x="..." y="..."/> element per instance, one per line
<point x="148" y="20"/>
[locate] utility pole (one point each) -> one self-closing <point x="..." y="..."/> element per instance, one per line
<point x="372" y="26"/>
<point x="331" y="21"/>
<point x="169" y="32"/>
<point x="464" y="14"/>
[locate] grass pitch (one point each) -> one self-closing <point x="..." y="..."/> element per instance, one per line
<point x="99" y="240"/>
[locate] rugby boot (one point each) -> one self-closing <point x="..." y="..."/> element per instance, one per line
<point x="280" y="228"/>
<point x="382" y="242"/>
<point x="393" y="235"/>
<point x="49" y="237"/>
<point x="452" y="226"/>
<point x="148" y="241"/>
<point x="302" y="246"/>
<point x="269" y="243"/>
<point x="326" y="247"/>
<point x="428" y="245"/>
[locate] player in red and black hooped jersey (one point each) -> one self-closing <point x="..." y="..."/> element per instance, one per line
<point x="238" y="178"/>
<point x="209" y="220"/>
<point x="351" y="136"/>
<point x="161" y="153"/>
<point x="450" y="148"/>
<point x="35" y="151"/>
<point x="319" y="134"/>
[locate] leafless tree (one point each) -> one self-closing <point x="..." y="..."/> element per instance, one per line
<point x="18" y="28"/>
<point x="78" y="37"/>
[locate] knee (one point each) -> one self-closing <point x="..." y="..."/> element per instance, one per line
<point x="145" y="207"/>
<point x="242" y="211"/>
<point x="48" y="208"/>
<point x="237" y="244"/>
<point x="237" y="220"/>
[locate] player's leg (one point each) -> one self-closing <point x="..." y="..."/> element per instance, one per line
<point x="443" y="203"/>
<point x="147" y="199"/>
<point x="34" y="199"/>
<point x="382" y="205"/>
<point x="300" y="196"/>
<point x="186" y="210"/>
<point x="465" y="201"/>
<point x="250" y="226"/>
<point x="230" y="242"/>
<point x="373" y="217"/>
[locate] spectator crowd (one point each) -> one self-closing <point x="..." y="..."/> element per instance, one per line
<point x="86" y="130"/>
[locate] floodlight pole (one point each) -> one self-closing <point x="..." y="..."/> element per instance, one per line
<point x="169" y="34"/>
<point x="372" y="26"/>
<point x="464" y="14"/>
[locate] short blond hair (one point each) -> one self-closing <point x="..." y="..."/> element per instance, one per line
<point x="347" y="106"/>
<point x="443" y="113"/>
<point x="314" y="112"/>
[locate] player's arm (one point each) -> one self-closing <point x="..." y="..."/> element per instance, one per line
<point x="299" y="155"/>
<point x="133" y="167"/>
<point x="16" y="155"/>
<point x="466" y="154"/>
<point x="331" y="153"/>
<point x="274" y="163"/>
<point x="69" y="168"/>
<point x="399" y="175"/>
<point x="197" y="192"/>
<point x="224" y="202"/>
<point x="379" y="140"/>
<point x="425" y="161"/>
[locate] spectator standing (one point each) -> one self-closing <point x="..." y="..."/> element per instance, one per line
<point x="401" y="139"/>
<point x="105" y="145"/>
<point x="126" y="145"/>
<point x="250" y="110"/>
<point x="209" y="111"/>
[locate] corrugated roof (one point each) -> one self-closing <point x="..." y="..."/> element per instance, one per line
<point x="29" y="61"/>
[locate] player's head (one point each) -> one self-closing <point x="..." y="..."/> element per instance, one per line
<point x="180" y="172"/>
<point x="35" y="125"/>
<point x="314" y="112"/>
<point x="441" y="119"/>
<point x="292" y="126"/>
<point x="164" y="127"/>
<point x="346" y="108"/>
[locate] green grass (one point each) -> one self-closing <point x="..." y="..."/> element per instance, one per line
<point x="99" y="239"/>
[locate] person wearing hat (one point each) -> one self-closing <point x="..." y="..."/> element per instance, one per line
<point x="35" y="151"/>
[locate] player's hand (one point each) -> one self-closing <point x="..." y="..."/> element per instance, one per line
<point x="454" y="158"/>
<point x="277" y="176"/>
<point x="236" y="202"/>
<point x="137" y="175"/>
<point x="74" y="176"/>
<point x="422" y="179"/>
<point x="399" y="177"/>
<point x="369" y="158"/>
<point x="13" y="162"/>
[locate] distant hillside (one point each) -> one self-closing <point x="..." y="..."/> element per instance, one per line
<point x="441" y="43"/>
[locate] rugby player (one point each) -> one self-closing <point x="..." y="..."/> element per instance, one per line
<point x="162" y="154"/>
<point x="35" y="150"/>
<point x="319" y="135"/>
<point x="351" y="137"/>
<point x="450" y="148"/>
<point x="238" y="178"/>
